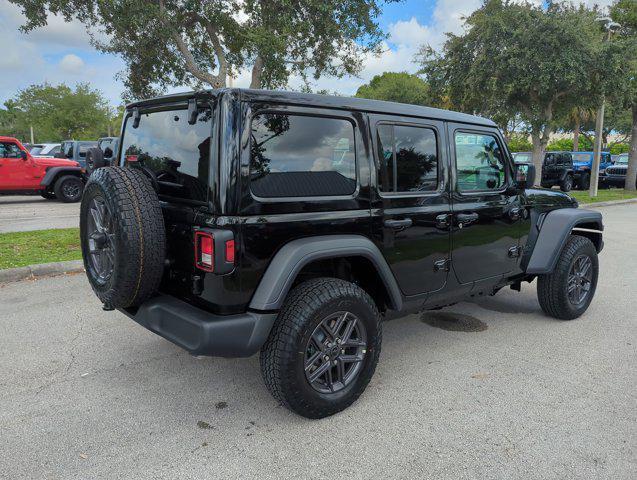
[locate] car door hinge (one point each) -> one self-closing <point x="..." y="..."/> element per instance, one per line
<point x="515" y="252"/>
<point x="442" y="265"/>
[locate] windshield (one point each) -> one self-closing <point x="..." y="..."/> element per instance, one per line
<point x="622" y="160"/>
<point x="176" y="152"/>
<point x="36" y="149"/>
<point x="522" y="157"/>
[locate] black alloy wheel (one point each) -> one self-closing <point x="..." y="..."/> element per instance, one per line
<point x="101" y="240"/>
<point x="335" y="352"/>
<point x="580" y="279"/>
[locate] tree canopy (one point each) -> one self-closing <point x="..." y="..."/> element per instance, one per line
<point x="200" y="42"/>
<point x="396" y="87"/>
<point x="519" y="59"/>
<point x="58" y="113"/>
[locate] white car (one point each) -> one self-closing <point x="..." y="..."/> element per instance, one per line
<point x="45" y="149"/>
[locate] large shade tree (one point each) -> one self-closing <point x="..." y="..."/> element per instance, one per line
<point x="519" y="59"/>
<point x="396" y="87"/>
<point x="201" y="42"/>
<point x="58" y="113"/>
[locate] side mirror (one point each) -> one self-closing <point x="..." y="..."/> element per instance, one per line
<point x="23" y="155"/>
<point x="524" y="175"/>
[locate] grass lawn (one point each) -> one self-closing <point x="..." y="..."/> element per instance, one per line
<point x="602" y="195"/>
<point x="41" y="246"/>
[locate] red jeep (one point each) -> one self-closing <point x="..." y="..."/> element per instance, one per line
<point x="21" y="172"/>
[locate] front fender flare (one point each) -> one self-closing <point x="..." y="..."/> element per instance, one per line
<point x="289" y="261"/>
<point x="53" y="172"/>
<point x="554" y="230"/>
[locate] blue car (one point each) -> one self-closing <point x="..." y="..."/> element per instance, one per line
<point x="583" y="164"/>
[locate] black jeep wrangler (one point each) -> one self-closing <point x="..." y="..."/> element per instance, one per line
<point x="557" y="169"/>
<point x="241" y="221"/>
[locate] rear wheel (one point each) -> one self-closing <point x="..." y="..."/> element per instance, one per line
<point x="567" y="184"/>
<point x="568" y="291"/>
<point x="122" y="236"/>
<point x="585" y="181"/>
<point x="69" y="188"/>
<point x="323" y="349"/>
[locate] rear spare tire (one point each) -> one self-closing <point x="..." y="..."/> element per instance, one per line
<point x="122" y="236"/>
<point x="94" y="160"/>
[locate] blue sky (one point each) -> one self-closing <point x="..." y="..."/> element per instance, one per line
<point x="61" y="52"/>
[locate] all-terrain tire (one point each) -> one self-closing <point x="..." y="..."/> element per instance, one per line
<point x="552" y="288"/>
<point x="567" y="184"/>
<point x="283" y="355"/>
<point x="94" y="160"/>
<point x="68" y="188"/>
<point x="584" y="181"/>
<point x="138" y="236"/>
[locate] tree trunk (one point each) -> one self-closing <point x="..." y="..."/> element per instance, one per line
<point x="631" y="174"/>
<point x="597" y="150"/>
<point x="257" y="73"/>
<point x="576" y="130"/>
<point x="540" y="140"/>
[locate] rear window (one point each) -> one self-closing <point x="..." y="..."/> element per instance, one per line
<point x="522" y="157"/>
<point x="301" y="156"/>
<point x="582" y="157"/>
<point x="175" y="151"/>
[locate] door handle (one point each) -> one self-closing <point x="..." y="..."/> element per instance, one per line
<point x="466" y="218"/>
<point x="443" y="220"/>
<point x="399" y="224"/>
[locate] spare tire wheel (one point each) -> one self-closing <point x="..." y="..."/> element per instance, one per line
<point x="122" y="236"/>
<point x="94" y="160"/>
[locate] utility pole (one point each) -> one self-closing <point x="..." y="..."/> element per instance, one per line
<point x="32" y="140"/>
<point x="609" y="26"/>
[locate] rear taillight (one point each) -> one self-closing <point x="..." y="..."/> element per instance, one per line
<point x="215" y="250"/>
<point x="204" y="251"/>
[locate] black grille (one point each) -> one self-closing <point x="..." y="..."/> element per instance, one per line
<point x="615" y="171"/>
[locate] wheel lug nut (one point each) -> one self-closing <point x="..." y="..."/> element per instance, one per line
<point x="326" y="358"/>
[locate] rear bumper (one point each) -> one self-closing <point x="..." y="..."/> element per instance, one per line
<point x="203" y="333"/>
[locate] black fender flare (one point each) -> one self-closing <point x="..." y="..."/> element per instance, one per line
<point x="554" y="230"/>
<point x="289" y="260"/>
<point x="565" y="174"/>
<point x="53" y="172"/>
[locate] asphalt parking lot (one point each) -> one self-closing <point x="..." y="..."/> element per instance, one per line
<point x="21" y="213"/>
<point x="513" y="394"/>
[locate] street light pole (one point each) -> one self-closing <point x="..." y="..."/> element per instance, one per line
<point x="610" y="26"/>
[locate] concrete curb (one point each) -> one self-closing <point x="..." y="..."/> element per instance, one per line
<point x="42" y="270"/>
<point x="609" y="203"/>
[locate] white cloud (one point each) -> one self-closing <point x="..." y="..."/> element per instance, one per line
<point x="72" y="64"/>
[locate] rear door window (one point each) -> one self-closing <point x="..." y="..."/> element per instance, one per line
<point x="409" y="158"/>
<point x="175" y="151"/>
<point x="301" y="156"/>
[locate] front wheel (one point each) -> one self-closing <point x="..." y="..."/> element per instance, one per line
<point x="567" y="292"/>
<point x="323" y="348"/>
<point x="69" y="189"/>
<point x="585" y="181"/>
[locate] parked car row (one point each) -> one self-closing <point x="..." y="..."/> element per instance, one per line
<point x="570" y="170"/>
<point x="53" y="170"/>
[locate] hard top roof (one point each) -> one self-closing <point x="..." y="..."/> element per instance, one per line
<point x="329" y="101"/>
